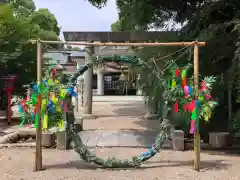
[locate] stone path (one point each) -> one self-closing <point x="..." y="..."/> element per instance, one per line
<point x="117" y="122"/>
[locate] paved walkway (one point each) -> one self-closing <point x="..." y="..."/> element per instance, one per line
<point x="117" y="122"/>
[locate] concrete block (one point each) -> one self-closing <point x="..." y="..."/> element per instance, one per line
<point x="219" y="139"/>
<point x="178" y="140"/>
<point x="48" y="139"/>
<point x="62" y="140"/>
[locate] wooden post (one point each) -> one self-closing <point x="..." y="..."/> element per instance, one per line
<point x="196" y="89"/>
<point x="88" y="75"/>
<point x="38" y="155"/>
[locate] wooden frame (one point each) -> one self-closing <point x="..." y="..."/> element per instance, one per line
<point x="195" y="44"/>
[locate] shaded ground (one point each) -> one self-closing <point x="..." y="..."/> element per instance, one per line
<point x="17" y="164"/>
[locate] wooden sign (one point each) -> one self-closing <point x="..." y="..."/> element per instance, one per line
<point x="118" y="36"/>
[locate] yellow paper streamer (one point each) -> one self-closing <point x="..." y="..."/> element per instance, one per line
<point x="57" y="81"/>
<point x="174" y="83"/>
<point x="207" y="113"/>
<point x="45" y="121"/>
<point x="63" y="93"/>
<point x="58" y="109"/>
<point x="54" y="99"/>
<point x="61" y="122"/>
<point x="50" y="82"/>
<point x="44" y="104"/>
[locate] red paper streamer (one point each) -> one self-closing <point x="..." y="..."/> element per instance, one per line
<point x="203" y="86"/>
<point x="54" y="72"/>
<point x="65" y="108"/>
<point x="208" y="96"/>
<point x="176" y="107"/>
<point x="24" y="105"/>
<point x="177" y="72"/>
<point x="38" y="105"/>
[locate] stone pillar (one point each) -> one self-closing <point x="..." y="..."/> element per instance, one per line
<point x="139" y="91"/>
<point x="100" y="82"/>
<point x="78" y="67"/>
<point x="88" y="75"/>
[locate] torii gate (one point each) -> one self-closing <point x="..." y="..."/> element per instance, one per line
<point x="114" y="39"/>
<point x="107" y="37"/>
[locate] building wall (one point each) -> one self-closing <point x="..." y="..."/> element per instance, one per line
<point x="56" y="57"/>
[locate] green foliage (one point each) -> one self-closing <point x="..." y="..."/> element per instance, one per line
<point x="116" y="26"/>
<point x="46" y="21"/>
<point x="19" y="22"/>
<point x="234" y="125"/>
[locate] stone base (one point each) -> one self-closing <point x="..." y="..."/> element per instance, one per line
<point x="219" y="139"/>
<point x="62" y="140"/>
<point x="48" y="139"/>
<point x="178" y="140"/>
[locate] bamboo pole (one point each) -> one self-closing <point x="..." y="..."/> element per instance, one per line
<point x="196" y="89"/>
<point x="124" y="44"/>
<point x="38" y="155"/>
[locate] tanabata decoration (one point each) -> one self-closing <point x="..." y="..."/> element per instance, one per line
<point x="49" y="99"/>
<point x="200" y="106"/>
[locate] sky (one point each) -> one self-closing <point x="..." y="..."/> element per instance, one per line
<point x="80" y="15"/>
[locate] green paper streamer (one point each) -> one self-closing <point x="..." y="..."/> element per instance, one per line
<point x="34" y="99"/>
<point x="195" y="118"/>
<point x="194" y="114"/>
<point x="184" y="73"/>
<point x="36" y="120"/>
<point x="22" y="122"/>
<point x="40" y="87"/>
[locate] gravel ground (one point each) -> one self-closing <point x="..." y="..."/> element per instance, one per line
<point x="17" y="164"/>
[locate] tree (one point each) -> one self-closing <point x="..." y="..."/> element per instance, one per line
<point x="155" y="13"/>
<point x="22" y="7"/>
<point x="45" y="20"/>
<point x="17" y="55"/>
<point x="116" y="26"/>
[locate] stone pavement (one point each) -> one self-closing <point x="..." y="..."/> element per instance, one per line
<point x="117" y="122"/>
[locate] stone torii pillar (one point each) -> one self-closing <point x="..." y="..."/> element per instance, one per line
<point x="100" y="81"/>
<point x="88" y="75"/>
<point x="139" y="90"/>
